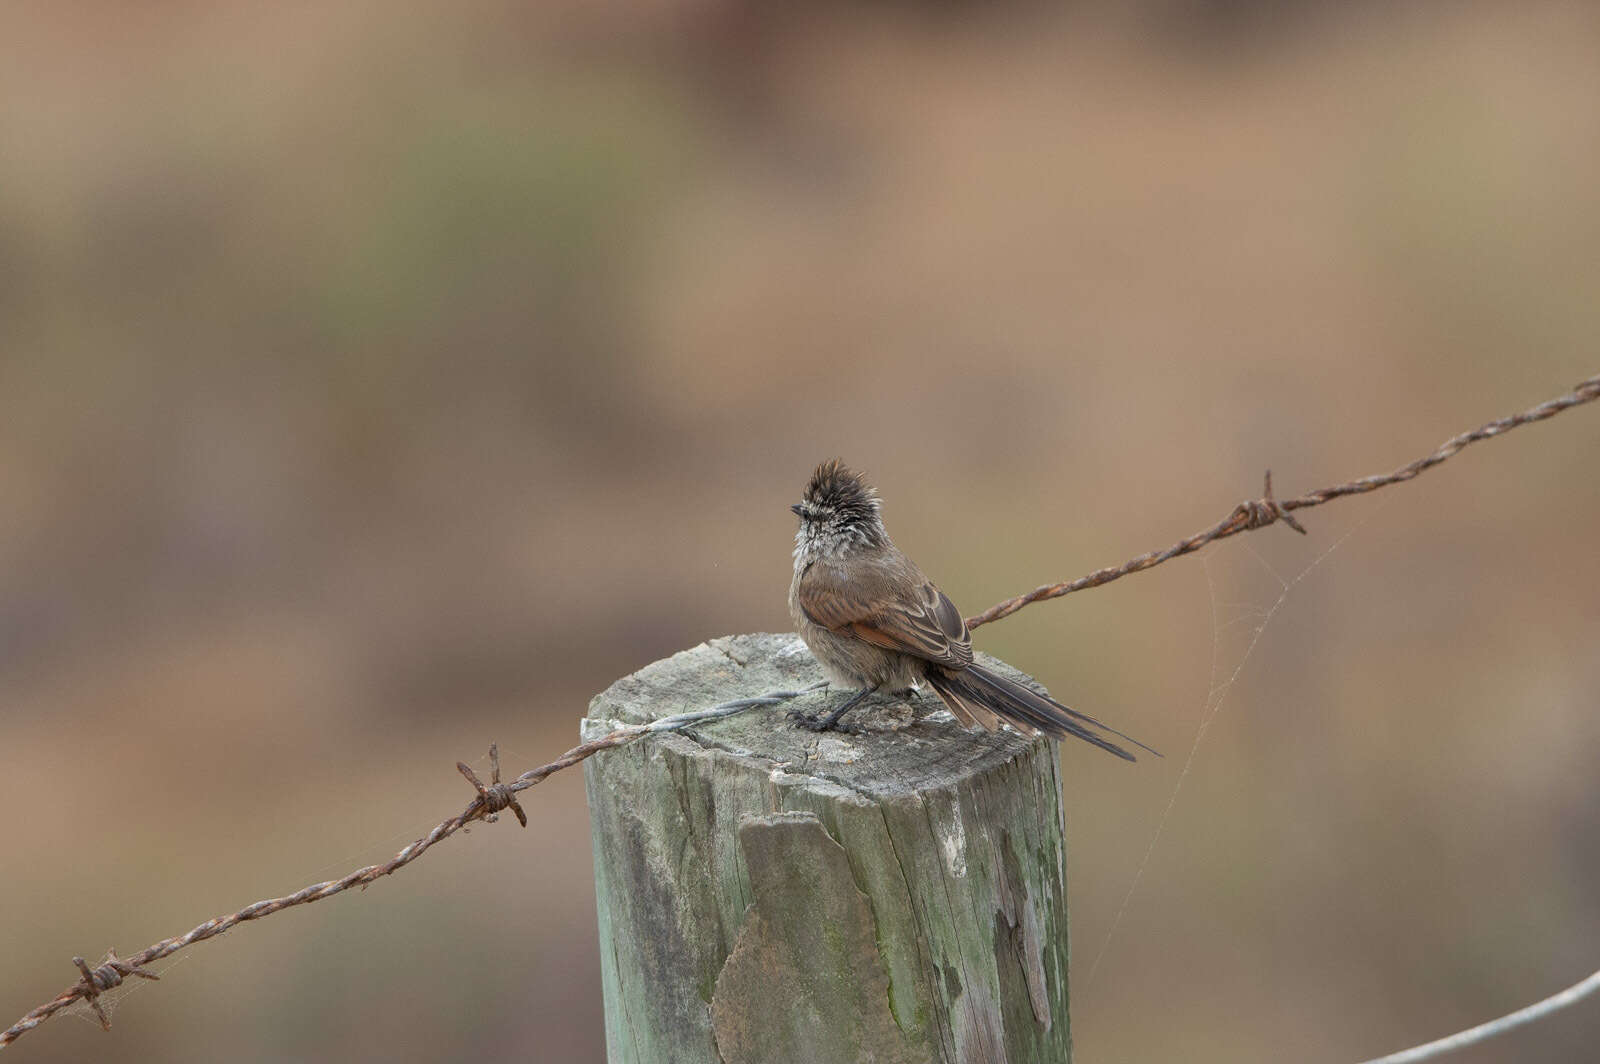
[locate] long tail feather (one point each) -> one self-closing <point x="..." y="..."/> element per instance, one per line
<point x="1019" y="691"/>
<point x="1024" y="708"/>
<point x="968" y="710"/>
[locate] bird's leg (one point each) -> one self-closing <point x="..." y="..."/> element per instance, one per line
<point x="830" y="721"/>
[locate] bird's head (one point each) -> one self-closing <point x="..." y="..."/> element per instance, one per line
<point x="838" y="510"/>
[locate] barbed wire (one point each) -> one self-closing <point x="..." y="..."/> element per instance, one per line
<point x="495" y="797"/>
<point x="1259" y="513"/>
<point x="491" y="800"/>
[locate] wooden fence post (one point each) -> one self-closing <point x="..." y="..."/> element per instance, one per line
<point x="769" y="895"/>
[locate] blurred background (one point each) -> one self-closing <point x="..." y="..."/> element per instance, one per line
<point x="378" y="380"/>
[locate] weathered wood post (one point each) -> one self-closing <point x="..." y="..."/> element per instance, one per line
<point x="768" y="895"/>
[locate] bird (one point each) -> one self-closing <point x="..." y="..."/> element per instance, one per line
<point x="873" y="621"/>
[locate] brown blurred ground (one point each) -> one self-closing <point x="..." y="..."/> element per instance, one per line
<point x="379" y="381"/>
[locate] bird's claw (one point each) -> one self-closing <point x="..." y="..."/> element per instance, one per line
<point x="808" y="721"/>
<point x="822" y="723"/>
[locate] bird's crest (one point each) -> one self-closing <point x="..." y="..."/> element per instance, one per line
<point x="837" y="488"/>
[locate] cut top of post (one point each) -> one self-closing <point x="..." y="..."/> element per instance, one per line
<point x="906" y="745"/>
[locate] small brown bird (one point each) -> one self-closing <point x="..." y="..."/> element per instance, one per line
<point x="874" y="621"/>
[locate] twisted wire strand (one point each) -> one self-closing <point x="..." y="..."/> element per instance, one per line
<point x="1259" y="513"/>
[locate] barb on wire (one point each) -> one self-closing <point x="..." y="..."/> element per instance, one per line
<point x="497" y="795"/>
<point x="485" y="806"/>
<point x="1259" y="513"/>
<point x="109" y="973"/>
<point x="1484" y="1031"/>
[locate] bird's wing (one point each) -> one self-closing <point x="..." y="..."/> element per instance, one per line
<point x="881" y="606"/>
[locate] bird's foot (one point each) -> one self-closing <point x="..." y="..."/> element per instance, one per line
<point x="825" y="722"/>
<point x="830" y="721"/>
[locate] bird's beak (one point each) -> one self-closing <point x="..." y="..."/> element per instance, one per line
<point x="795" y="509"/>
